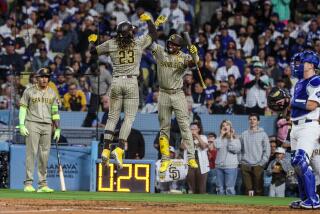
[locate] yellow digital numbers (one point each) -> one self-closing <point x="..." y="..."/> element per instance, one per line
<point x="131" y="178"/>
<point x="143" y="178"/>
<point x="100" y="186"/>
<point x="128" y="177"/>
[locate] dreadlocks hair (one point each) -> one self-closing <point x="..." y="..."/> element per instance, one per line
<point x="125" y="42"/>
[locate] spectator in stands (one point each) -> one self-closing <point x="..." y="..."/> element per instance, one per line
<point x="135" y="147"/>
<point x="255" y="153"/>
<point x="10" y="60"/>
<point x="197" y="178"/>
<point x="61" y="84"/>
<point x="118" y="9"/>
<point x="212" y="154"/>
<point x="198" y="95"/>
<point x="175" y="16"/>
<point x="70" y="76"/>
<point x="59" y="42"/>
<point x="99" y="89"/>
<point x="5" y="29"/>
<point x="229" y="68"/>
<point x="256" y="86"/>
<point x="272" y="69"/>
<point x="75" y="99"/>
<point x="41" y="61"/>
<point x="279" y="169"/>
<point x="232" y="107"/>
<point x="152" y="107"/>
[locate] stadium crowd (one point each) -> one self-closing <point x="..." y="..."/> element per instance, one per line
<point x="245" y="48"/>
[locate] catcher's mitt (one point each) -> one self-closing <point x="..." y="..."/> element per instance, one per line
<point x="278" y="99"/>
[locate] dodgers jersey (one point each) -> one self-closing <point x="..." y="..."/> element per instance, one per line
<point x="306" y="89"/>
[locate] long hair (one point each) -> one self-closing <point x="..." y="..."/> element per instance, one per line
<point x="233" y="135"/>
<point x="125" y="42"/>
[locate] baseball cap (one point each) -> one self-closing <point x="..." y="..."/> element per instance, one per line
<point x="280" y="150"/>
<point x="8" y="41"/>
<point x="257" y="65"/>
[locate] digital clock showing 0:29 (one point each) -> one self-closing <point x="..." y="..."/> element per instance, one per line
<point x="133" y="177"/>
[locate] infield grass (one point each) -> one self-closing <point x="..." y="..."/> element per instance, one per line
<point x="145" y="197"/>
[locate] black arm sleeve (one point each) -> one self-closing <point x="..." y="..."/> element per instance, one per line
<point x="152" y="30"/>
<point x="250" y="84"/>
<point x="262" y="85"/>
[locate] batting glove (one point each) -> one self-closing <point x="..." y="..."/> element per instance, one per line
<point x="145" y="17"/>
<point x="92" y="38"/>
<point x="160" y="20"/>
<point x="23" y="130"/>
<point x="193" y="49"/>
<point x="57" y="134"/>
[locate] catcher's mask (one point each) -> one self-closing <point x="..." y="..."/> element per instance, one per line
<point x="174" y="43"/>
<point x="274" y="99"/>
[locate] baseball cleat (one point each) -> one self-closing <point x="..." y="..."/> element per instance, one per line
<point x="193" y="163"/>
<point x="29" y="188"/>
<point x="164" y="165"/>
<point x="295" y="204"/>
<point x="310" y="204"/>
<point x="105" y="157"/>
<point x="45" y="189"/>
<point x="117" y="154"/>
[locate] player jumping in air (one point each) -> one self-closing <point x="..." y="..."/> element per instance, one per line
<point x="171" y="65"/>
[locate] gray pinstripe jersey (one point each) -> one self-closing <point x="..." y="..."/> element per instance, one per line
<point x="125" y="62"/>
<point x="170" y="67"/>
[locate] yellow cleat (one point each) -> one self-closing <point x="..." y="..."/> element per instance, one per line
<point x="164" y="165"/>
<point x="105" y="156"/>
<point x="193" y="164"/>
<point x="117" y="154"/>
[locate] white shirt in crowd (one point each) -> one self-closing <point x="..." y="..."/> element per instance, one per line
<point x="247" y="47"/>
<point x="175" y="18"/>
<point x="256" y="95"/>
<point x="119" y="11"/>
<point x="223" y="73"/>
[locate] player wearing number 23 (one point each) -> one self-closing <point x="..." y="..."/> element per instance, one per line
<point x="305" y="130"/>
<point x="125" y="52"/>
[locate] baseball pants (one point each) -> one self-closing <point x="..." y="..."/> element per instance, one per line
<point x="315" y="163"/>
<point x="305" y="137"/>
<point x="177" y="103"/>
<point x="124" y="93"/>
<point x="38" y="144"/>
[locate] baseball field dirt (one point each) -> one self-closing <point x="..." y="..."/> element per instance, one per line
<point x="82" y="202"/>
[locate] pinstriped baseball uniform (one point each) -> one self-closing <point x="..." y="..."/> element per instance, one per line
<point x="170" y="70"/>
<point x="38" y="122"/>
<point x="124" y="87"/>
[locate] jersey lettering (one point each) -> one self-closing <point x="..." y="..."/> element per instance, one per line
<point x="126" y="57"/>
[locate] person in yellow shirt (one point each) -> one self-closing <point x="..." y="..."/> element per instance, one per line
<point x="74" y="99"/>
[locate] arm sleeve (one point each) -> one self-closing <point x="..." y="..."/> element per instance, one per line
<point x="145" y="41"/>
<point x="156" y="49"/>
<point x="315" y="96"/>
<point x="266" y="150"/>
<point x="55" y="110"/>
<point x="22" y="114"/>
<point x="152" y="30"/>
<point x="103" y="48"/>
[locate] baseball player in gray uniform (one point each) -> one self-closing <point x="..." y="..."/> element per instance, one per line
<point x="171" y="65"/>
<point x="38" y="115"/>
<point x="125" y="51"/>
